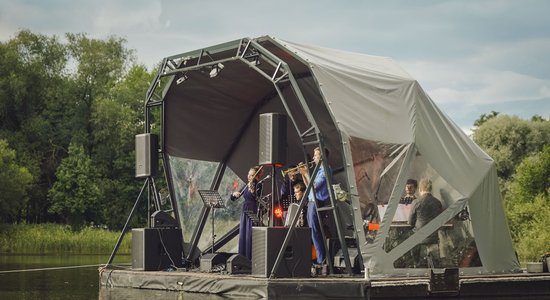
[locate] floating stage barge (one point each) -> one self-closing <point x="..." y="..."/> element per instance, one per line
<point x="213" y="113"/>
<point x="528" y="285"/>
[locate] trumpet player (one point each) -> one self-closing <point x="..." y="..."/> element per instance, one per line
<point x="287" y="187"/>
<point x="321" y="194"/>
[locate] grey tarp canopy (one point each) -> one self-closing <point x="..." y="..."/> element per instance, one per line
<point x="349" y="96"/>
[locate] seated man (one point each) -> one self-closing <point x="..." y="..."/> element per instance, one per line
<point x="426" y="208"/>
<point x="286" y="190"/>
<point x="299" y="189"/>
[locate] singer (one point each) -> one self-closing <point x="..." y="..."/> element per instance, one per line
<point x="251" y="193"/>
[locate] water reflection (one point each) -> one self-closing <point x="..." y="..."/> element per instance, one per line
<point x="47" y="276"/>
<point x="142" y="294"/>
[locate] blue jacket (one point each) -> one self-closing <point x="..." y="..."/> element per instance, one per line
<point x="320" y="185"/>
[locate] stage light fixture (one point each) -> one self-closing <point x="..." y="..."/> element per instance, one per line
<point x="256" y="61"/>
<point x="278" y="212"/>
<point x="182" y="78"/>
<point x="216" y="69"/>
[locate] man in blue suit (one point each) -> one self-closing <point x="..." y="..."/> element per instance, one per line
<point x="321" y="194"/>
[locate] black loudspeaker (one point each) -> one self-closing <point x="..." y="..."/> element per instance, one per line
<point x="155" y="249"/>
<point x="146" y="155"/>
<point x="354" y="257"/>
<point x="211" y="262"/>
<point x="266" y="244"/>
<point x="161" y="219"/>
<point x="273" y="145"/>
<point x="238" y="264"/>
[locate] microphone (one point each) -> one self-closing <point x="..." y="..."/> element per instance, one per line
<point x="264" y="179"/>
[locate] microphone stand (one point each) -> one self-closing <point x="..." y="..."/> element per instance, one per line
<point x="273" y="189"/>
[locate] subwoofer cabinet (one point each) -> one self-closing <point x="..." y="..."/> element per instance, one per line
<point x="266" y="244"/>
<point x="155" y="249"/>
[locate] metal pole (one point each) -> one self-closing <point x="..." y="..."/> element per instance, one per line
<point x="213" y="232"/>
<point x="115" y="250"/>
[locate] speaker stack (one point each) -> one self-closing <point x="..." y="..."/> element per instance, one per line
<point x="272" y="141"/>
<point x="266" y="244"/>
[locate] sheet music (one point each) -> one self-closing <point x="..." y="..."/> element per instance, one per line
<point x="401" y="214"/>
<point x="212" y="198"/>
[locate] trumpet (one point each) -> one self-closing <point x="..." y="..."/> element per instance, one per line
<point x="295" y="169"/>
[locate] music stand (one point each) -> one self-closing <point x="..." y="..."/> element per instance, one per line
<point x="212" y="199"/>
<point x="254" y="217"/>
<point x="287" y="201"/>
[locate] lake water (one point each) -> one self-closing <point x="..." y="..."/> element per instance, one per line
<point x="74" y="277"/>
<point x="52" y="277"/>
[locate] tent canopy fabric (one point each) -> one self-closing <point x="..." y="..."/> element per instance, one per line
<point x="350" y="96"/>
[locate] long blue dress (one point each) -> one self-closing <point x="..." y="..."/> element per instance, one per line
<point x="250" y="204"/>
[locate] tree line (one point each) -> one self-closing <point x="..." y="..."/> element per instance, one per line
<point x="69" y="111"/>
<point x="521" y="150"/>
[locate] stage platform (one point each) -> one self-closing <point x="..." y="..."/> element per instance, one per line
<point x="513" y="286"/>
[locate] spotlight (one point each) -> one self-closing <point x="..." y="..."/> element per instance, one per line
<point x="216" y="69"/>
<point x="182" y="78"/>
<point x="256" y="61"/>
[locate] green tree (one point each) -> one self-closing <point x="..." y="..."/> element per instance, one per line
<point x="15" y="181"/>
<point x="75" y="194"/>
<point x="116" y="119"/>
<point x="508" y="139"/>
<point x="485" y="117"/>
<point x="99" y="66"/>
<point x="532" y="176"/>
<point x="47" y="103"/>
<point x="33" y="81"/>
<point x="528" y="205"/>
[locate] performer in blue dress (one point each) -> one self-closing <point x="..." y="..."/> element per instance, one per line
<point x="250" y="192"/>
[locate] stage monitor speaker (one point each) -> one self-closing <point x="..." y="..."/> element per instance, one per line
<point x="354" y="257"/>
<point x="146" y="155"/>
<point x="238" y="264"/>
<point x="273" y="144"/>
<point x="266" y="244"/>
<point x="162" y="219"/>
<point x="155" y="249"/>
<point x="211" y="262"/>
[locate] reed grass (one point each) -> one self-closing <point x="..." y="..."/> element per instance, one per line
<point x="56" y="238"/>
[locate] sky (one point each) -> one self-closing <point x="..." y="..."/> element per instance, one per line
<point x="471" y="57"/>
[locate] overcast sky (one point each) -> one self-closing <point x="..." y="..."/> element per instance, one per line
<point x="472" y="57"/>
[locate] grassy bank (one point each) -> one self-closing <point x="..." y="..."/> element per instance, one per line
<point x="55" y="238"/>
